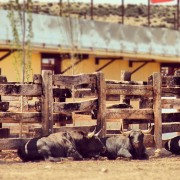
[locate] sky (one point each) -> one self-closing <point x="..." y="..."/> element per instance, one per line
<point x="106" y="1"/>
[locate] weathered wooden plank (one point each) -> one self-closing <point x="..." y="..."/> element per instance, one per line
<point x="142" y="90"/>
<point x="31" y="117"/>
<point x="4" y="106"/>
<point x="126" y="82"/>
<point x="12" y="143"/>
<point x="112" y="97"/>
<point x="129" y="114"/>
<point x="157" y="109"/>
<point x="83" y="93"/>
<point x="101" y="108"/>
<point x="69" y="81"/>
<point x="168" y="128"/>
<point x="171" y="117"/>
<point x="171" y="91"/>
<point x="125" y="76"/>
<point x="21" y="89"/>
<point x="171" y="81"/>
<point x="10" y="98"/>
<point x="47" y="103"/>
<point x="145" y="103"/>
<point x="171" y="103"/>
<point x="69" y="107"/>
<point x="24" y="117"/>
<point x="138" y="121"/>
<point x="115" y="97"/>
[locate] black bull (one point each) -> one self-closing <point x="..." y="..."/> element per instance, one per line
<point x="130" y="146"/>
<point x="75" y="144"/>
<point x="173" y="145"/>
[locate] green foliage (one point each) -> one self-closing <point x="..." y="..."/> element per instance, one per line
<point x="22" y="58"/>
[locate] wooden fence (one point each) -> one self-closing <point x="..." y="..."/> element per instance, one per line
<point x="56" y="99"/>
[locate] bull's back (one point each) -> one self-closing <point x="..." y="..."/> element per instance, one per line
<point x="114" y="144"/>
<point x="29" y="151"/>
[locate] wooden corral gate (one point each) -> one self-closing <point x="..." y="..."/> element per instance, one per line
<point x="56" y="99"/>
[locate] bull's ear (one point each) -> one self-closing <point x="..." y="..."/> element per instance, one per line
<point x="98" y="133"/>
<point x="91" y="134"/>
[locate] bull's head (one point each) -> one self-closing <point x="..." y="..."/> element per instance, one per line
<point x="136" y="138"/>
<point x="93" y="146"/>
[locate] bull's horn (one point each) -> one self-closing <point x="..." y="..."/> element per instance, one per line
<point x="125" y="133"/>
<point x="148" y="131"/>
<point x="98" y="133"/>
<point x="91" y="134"/>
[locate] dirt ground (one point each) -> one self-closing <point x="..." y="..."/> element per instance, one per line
<point x="161" y="165"/>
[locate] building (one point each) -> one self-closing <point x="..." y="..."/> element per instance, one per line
<point x="91" y="46"/>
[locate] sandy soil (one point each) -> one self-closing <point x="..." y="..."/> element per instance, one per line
<point x="164" y="167"/>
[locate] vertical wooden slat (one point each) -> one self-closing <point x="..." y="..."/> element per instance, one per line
<point x="0" y="100"/>
<point x="4" y="132"/>
<point x="145" y="102"/>
<point x="101" y="111"/>
<point x="157" y="109"/>
<point x="125" y="76"/>
<point x="47" y="103"/>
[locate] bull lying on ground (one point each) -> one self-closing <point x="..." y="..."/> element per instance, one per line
<point x="173" y="145"/>
<point x="59" y="145"/>
<point x="130" y="146"/>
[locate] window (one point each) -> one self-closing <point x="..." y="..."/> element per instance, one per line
<point x="168" y="69"/>
<point x="51" y="62"/>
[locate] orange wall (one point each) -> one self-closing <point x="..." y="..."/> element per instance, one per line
<point x="112" y="71"/>
<point x="8" y="66"/>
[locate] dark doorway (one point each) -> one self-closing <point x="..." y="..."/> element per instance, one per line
<point x="168" y="69"/>
<point x="51" y="62"/>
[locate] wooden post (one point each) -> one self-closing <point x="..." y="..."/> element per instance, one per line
<point x="157" y="109"/>
<point x="145" y="103"/>
<point x="101" y="111"/>
<point x="125" y="76"/>
<point x="4" y="132"/>
<point x="47" y="103"/>
<point x="0" y="101"/>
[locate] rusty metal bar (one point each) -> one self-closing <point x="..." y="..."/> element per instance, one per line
<point x="107" y="64"/>
<point x="60" y="6"/>
<point x="178" y="3"/>
<point x="122" y="9"/>
<point x="70" y="67"/>
<point x="139" y="67"/>
<point x="149" y="14"/>
<point x="92" y="7"/>
<point x="6" y="55"/>
<point x="175" y="22"/>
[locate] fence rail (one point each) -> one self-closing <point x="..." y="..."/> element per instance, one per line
<point x="59" y="98"/>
